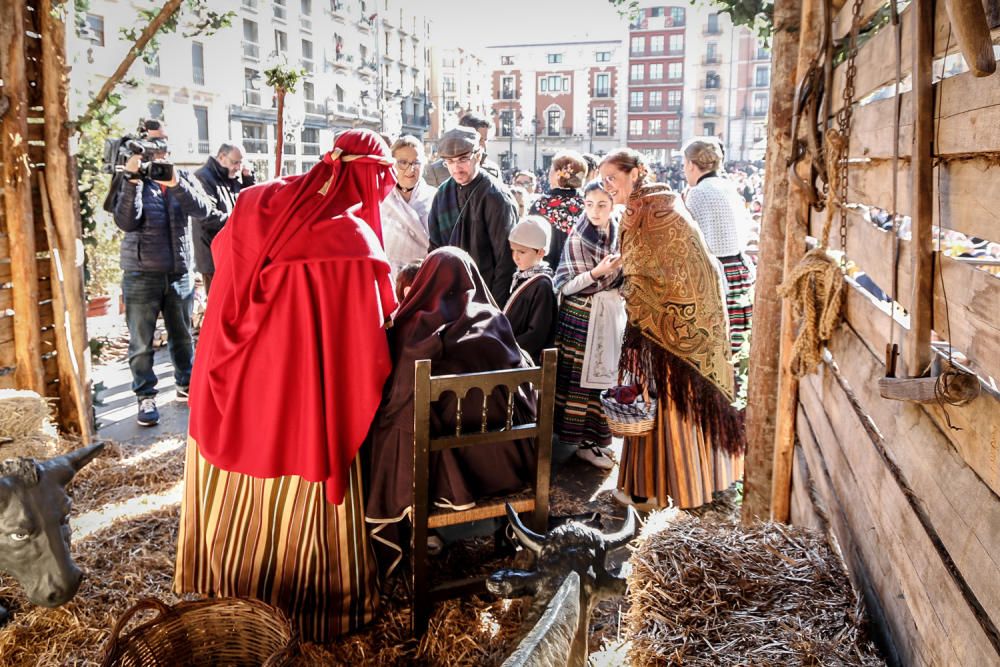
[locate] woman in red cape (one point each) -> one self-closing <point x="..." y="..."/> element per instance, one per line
<point x="290" y="366"/>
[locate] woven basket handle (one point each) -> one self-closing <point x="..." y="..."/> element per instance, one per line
<point x="116" y="632"/>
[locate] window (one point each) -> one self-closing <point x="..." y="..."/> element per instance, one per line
<point x="712" y="80"/>
<point x="251" y="49"/>
<point x="655" y="99"/>
<point x="638" y="46"/>
<point x="656" y="44"/>
<point x="710" y="104"/>
<point x="762" y="53"/>
<point x="602" y="87"/>
<point x="653" y="129"/>
<point x="505" y="60"/>
<point x="760" y="101"/>
<point x="603" y="56"/>
<point x="307" y="55"/>
<point x="555" y="58"/>
<point x="635" y="100"/>
<point x="635" y="128"/>
<point x="656" y="11"/>
<point x="673" y="100"/>
<point x="305" y="15"/>
<point x="310" y="141"/>
<point x="249" y="4"/>
<point x="637" y="73"/>
<point x="762" y="76"/>
<point x="309" y="95"/>
<point x="677" y="43"/>
<point x="198" y="62"/>
<point x="673" y="125"/>
<point x="156" y="109"/>
<point x="553" y="122"/>
<point x="708" y="129"/>
<point x="201" y="120"/>
<point x="288" y="166"/>
<point x="280" y="41"/>
<point x="306" y="7"/>
<point x="711" y="53"/>
<point x="280" y="9"/>
<point x="656" y="72"/>
<point x="759" y="131"/>
<point x="713" y="24"/>
<point x="251" y="93"/>
<point x="602" y="122"/>
<point x="553" y="84"/>
<point x="153" y="68"/>
<point x="95" y="29"/>
<point x="449" y="83"/>
<point x="676" y="16"/>
<point x="507" y="87"/>
<point x="675" y="71"/>
<point x="506" y="123"/>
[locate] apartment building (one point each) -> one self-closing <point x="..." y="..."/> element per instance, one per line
<point x="366" y="65"/>
<point x="459" y="84"/>
<point x="556" y="96"/>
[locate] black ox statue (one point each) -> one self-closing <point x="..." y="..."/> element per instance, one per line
<point x="34" y="525"/>
<point x="571" y="557"/>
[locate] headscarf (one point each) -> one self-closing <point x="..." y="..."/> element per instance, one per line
<point x="585" y="248"/>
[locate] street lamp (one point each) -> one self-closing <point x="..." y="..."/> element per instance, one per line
<point x="535" y="123"/>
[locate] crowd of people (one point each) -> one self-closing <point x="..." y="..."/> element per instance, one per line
<point x="326" y="287"/>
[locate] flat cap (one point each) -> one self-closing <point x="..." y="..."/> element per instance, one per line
<point x="458" y="141"/>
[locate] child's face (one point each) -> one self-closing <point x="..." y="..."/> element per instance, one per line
<point x="598" y="206"/>
<point x="525" y="257"/>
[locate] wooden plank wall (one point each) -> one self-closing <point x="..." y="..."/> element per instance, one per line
<point x="36" y="158"/>
<point x="913" y="503"/>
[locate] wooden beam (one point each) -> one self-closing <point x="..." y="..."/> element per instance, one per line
<point x="968" y="20"/>
<point x="65" y="236"/>
<point x="16" y="182"/>
<point x="842" y="21"/>
<point x="796" y="225"/>
<point x="764" y="350"/>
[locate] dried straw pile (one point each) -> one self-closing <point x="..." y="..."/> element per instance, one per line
<point x="25" y="429"/>
<point x="704" y="594"/>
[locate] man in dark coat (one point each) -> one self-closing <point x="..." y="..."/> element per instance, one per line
<point x="222" y="176"/>
<point x="474" y="211"/>
<point x="436" y="172"/>
<point x="156" y="273"/>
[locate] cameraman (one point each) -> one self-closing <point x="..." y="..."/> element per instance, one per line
<point x="156" y="266"/>
<point x="222" y="176"/>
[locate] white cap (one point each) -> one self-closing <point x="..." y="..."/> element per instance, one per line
<point x="533" y="231"/>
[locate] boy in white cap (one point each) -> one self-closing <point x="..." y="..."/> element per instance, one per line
<point x="532" y="308"/>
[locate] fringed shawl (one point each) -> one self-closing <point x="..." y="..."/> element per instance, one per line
<point x="584" y="250"/>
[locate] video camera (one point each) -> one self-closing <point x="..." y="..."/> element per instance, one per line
<point x="118" y="151"/>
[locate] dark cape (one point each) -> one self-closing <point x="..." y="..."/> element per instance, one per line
<point x="449" y="318"/>
<point x="533" y="311"/>
<point x="477" y="217"/>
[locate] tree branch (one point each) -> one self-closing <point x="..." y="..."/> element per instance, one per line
<point x="168" y="10"/>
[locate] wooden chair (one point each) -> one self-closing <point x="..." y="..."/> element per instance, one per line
<point x="429" y="389"/>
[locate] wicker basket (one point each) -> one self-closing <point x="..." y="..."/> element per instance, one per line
<point x="629" y="419"/>
<point x="234" y="632"/>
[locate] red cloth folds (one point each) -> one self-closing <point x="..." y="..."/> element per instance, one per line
<point x="292" y="355"/>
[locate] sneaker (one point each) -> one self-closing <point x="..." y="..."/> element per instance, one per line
<point x="595" y="457"/>
<point x="446" y="504"/>
<point x="182" y="394"/>
<point x="148" y="414"/>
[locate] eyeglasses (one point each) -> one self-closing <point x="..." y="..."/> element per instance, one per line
<point x="460" y="161"/>
<point x="522" y="184"/>
<point x="404" y="165"/>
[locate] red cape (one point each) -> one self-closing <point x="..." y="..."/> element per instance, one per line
<point x="293" y="355"/>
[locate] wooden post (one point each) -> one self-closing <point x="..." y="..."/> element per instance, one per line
<point x="16" y="182"/>
<point x="795" y="244"/>
<point x="968" y="20"/>
<point x="279" y="129"/>
<point x="917" y="354"/>
<point x="762" y="389"/>
<point x="60" y="183"/>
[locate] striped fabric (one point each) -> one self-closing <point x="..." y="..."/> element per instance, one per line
<point x="739" y="298"/>
<point x="579" y="417"/>
<point x="676" y="460"/>
<point x="279" y="541"/>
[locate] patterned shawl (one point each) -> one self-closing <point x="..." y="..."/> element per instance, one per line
<point x="678" y="329"/>
<point x="585" y="248"/>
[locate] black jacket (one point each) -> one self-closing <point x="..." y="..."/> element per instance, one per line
<point x="156" y="223"/>
<point x="533" y="312"/>
<point x="222" y="190"/>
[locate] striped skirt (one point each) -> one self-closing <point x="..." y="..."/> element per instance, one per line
<point x="739" y="297"/>
<point x="579" y="417"/>
<point x="676" y="461"/>
<point x="279" y="541"/>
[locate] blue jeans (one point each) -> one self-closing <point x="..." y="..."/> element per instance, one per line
<point x="147" y="294"/>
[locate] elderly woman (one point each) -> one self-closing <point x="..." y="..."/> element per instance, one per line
<point x="291" y="364"/>
<point x="677" y="342"/>
<point x="405" y="210"/>
<point x="720" y="210"/>
<point x="563" y="205"/>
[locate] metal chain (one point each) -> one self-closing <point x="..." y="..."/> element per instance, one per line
<point x="844" y="125"/>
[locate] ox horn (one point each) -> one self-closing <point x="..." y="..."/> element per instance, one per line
<point x="528" y="538"/>
<point x="625" y="533"/>
<point x="66" y="466"/>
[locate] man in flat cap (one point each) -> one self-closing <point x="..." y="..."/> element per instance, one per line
<point x="436" y="173"/>
<point x="474" y="211"/>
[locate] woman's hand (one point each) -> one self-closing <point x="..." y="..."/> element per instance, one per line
<point x="607" y="266"/>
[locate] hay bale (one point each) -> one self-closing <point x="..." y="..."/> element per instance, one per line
<point x="22" y="413"/>
<point x="703" y="594"/>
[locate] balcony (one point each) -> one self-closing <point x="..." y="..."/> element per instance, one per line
<point x="280" y="12"/>
<point x="506" y="94"/>
<point x="364" y="23"/>
<point x="715" y="84"/>
<point x="249" y="5"/>
<point x="709" y="112"/>
<point x="762" y="54"/>
<point x="337" y="11"/>
<point x="714" y="59"/>
<point x="602" y="92"/>
<point x="313" y="107"/>
<point x="762" y="82"/>
<point x="251" y="51"/>
<point x="712" y="28"/>
<point x="369" y="64"/>
<point x="203" y="146"/>
<point x="309" y="66"/>
<point x="251" y="98"/>
<point x="256" y="146"/>
<point x="310" y="148"/>
<point x="306" y="23"/>
<point x="759" y="112"/>
<point x="637" y="52"/>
